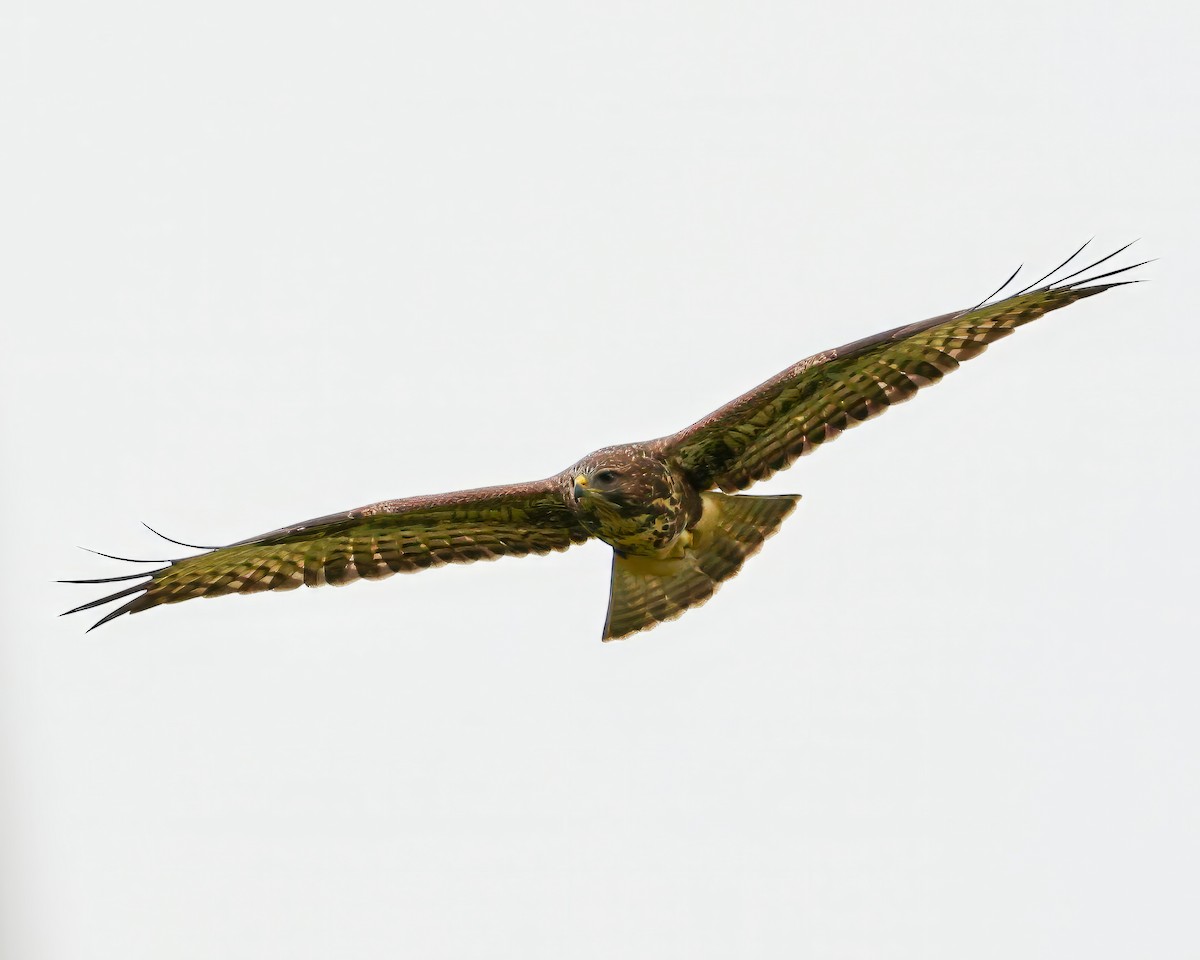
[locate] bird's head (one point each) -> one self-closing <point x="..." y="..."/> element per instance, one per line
<point x="616" y="477"/>
<point x="626" y="492"/>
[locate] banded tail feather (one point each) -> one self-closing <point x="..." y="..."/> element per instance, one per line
<point x="648" y="590"/>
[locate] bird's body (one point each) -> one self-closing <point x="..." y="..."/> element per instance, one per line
<point x="633" y="498"/>
<point x="664" y="506"/>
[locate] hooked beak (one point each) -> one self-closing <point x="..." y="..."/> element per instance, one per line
<point x="581" y="483"/>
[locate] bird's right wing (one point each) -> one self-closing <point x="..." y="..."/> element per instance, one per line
<point x="372" y="542"/>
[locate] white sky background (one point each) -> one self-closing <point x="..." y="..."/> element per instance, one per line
<point x="267" y="261"/>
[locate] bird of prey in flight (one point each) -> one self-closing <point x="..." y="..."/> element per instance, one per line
<point x="667" y="507"/>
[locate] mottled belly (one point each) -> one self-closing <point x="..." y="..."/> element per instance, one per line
<point x="645" y="531"/>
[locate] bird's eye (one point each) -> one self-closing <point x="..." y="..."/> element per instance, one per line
<point x="606" y="476"/>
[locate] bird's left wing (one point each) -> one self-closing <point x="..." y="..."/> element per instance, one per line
<point x="372" y="542"/>
<point x="816" y="399"/>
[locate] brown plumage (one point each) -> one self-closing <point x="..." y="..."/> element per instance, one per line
<point x="675" y="538"/>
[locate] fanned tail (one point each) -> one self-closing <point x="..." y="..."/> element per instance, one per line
<point x="648" y="590"/>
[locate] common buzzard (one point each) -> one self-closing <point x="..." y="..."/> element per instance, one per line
<point x="665" y="506"/>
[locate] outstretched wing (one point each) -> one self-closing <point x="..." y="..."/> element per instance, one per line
<point x="372" y="542"/>
<point x="813" y="401"/>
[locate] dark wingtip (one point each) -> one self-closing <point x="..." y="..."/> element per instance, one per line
<point x="1049" y="273"/>
<point x="1062" y="281"/>
<point x="111" y="556"/>
<point x="136" y="588"/>
<point x="112" y="615"/>
<point x="997" y="291"/>
<point x="128" y="576"/>
<point x="178" y="543"/>
<point x="1082" y="284"/>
